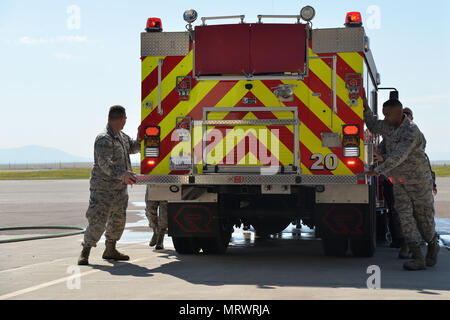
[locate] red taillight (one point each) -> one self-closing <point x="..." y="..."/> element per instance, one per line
<point x="351" y="130"/>
<point x="353" y="19"/>
<point x="152" y="131"/>
<point x="153" y="24"/>
<point x="151" y="162"/>
<point x="351" y="162"/>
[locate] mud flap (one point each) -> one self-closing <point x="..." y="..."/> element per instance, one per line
<point x="193" y="219"/>
<point x="344" y="221"/>
<point x="347" y="223"/>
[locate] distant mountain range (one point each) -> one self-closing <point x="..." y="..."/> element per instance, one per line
<point x="37" y="154"/>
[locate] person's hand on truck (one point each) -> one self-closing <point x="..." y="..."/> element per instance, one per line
<point x="138" y="137"/>
<point x="377" y="157"/>
<point x="365" y="103"/>
<point x="370" y="173"/>
<point x="129" y="178"/>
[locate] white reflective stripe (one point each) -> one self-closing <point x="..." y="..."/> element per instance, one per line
<point x="351" y="152"/>
<point x="152" y="152"/>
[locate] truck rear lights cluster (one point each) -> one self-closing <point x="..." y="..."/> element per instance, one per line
<point x="350" y="141"/>
<point x="152" y="145"/>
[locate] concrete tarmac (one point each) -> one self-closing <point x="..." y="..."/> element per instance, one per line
<point x="286" y="267"/>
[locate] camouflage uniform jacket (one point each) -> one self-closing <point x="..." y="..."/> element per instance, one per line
<point x="406" y="161"/>
<point x="112" y="159"/>
<point x="382" y="147"/>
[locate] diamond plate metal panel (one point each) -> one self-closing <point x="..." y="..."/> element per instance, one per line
<point x="338" y="40"/>
<point x="164" y="44"/>
<point x="247" y="122"/>
<point x="249" y="179"/>
<point x="306" y="179"/>
<point x="162" y="179"/>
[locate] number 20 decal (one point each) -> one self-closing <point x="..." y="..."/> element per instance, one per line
<point x="331" y="161"/>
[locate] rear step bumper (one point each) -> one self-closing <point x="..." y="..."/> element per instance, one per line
<point x="248" y="179"/>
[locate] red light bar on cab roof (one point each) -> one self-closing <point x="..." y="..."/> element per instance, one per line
<point x="353" y="19"/>
<point x="154" y="25"/>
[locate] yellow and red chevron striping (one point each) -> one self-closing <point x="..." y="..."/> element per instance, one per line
<point x="230" y="94"/>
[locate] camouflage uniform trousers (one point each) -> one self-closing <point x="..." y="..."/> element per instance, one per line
<point x="157" y="218"/>
<point x="414" y="204"/>
<point x="107" y="210"/>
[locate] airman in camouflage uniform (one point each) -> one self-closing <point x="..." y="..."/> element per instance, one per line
<point x="157" y="220"/>
<point x="408" y="112"/>
<point x="108" y="187"/>
<point x="407" y="165"/>
<point x="394" y="220"/>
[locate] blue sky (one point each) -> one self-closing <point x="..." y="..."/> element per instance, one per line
<point x="59" y="75"/>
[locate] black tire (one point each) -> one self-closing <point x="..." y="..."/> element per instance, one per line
<point x="216" y="245"/>
<point x="266" y="227"/>
<point x="335" y="247"/>
<point x="185" y="245"/>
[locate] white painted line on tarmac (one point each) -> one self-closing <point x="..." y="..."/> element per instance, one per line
<point x="51" y="283"/>
<point x="32" y="265"/>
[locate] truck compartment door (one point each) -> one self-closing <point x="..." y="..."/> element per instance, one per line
<point x="277" y="48"/>
<point x="222" y="49"/>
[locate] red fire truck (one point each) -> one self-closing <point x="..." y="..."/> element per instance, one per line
<point x="259" y="124"/>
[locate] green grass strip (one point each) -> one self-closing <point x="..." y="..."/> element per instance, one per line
<point x="443" y="171"/>
<point x="49" y="174"/>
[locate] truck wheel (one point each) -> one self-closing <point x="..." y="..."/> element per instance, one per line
<point x="216" y="245"/>
<point x="186" y="245"/>
<point x="362" y="247"/>
<point x="266" y="227"/>
<point x="335" y="247"/>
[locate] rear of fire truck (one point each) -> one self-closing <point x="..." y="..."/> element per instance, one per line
<point x="259" y="124"/>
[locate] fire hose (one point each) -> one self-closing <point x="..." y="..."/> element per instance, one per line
<point x="79" y="230"/>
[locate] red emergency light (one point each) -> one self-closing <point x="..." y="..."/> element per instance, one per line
<point x="353" y="19"/>
<point x="351" y="162"/>
<point x="152" y="131"/>
<point x="351" y="130"/>
<point x="151" y="162"/>
<point x="154" y="25"/>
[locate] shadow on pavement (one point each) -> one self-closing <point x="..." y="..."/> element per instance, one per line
<point x="294" y="263"/>
<point x="124" y="269"/>
<point x="272" y="263"/>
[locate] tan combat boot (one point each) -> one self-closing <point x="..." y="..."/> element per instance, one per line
<point x="112" y="253"/>
<point x="154" y="239"/>
<point x="419" y="261"/>
<point x="160" y="241"/>
<point x="432" y="251"/>
<point x="84" y="256"/>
